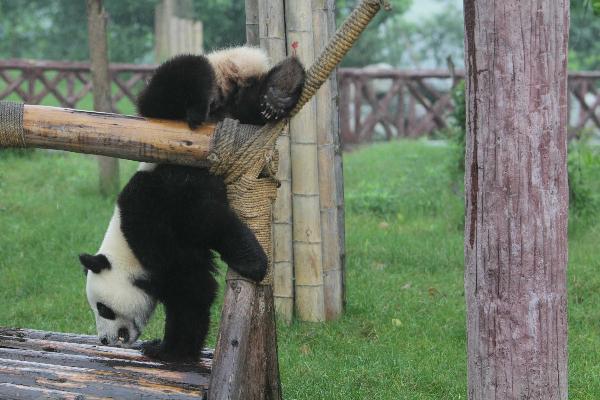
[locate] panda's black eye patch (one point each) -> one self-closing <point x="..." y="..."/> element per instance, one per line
<point x="105" y="312"/>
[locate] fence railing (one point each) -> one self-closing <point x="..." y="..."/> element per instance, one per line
<point x="375" y="104"/>
<point x="380" y="104"/>
<point x="68" y="84"/>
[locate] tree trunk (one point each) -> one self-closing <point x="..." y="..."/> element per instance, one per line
<point x="101" y="82"/>
<point x="516" y="198"/>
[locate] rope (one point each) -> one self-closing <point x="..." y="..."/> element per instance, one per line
<point x="244" y="154"/>
<point x="338" y="46"/>
<point x="11" y="124"/>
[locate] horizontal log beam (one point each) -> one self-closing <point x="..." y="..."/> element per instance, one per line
<point x="114" y="135"/>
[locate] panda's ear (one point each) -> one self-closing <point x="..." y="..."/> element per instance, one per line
<point x="95" y="263"/>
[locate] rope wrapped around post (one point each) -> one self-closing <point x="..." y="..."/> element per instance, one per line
<point x="11" y="124"/>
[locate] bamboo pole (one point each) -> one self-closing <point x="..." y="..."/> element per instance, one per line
<point x="330" y="172"/>
<point x="101" y="81"/>
<point x="252" y="29"/>
<point x="272" y="39"/>
<point x="307" y="243"/>
<point x="114" y="135"/>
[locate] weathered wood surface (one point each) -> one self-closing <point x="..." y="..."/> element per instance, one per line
<point x="331" y="180"/>
<point x="114" y="135"/>
<point x="37" y="364"/>
<point x="516" y="199"/>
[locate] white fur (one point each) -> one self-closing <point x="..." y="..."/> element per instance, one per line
<point x="114" y="287"/>
<point x="237" y="64"/>
<point x="146" y="166"/>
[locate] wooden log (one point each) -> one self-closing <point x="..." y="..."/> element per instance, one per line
<point x="101" y="83"/>
<point x="517" y="197"/>
<point x="115" y="135"/>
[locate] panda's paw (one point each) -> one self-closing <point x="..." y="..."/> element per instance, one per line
<point x="282" y="88"/>
<point x="156" y="350"/>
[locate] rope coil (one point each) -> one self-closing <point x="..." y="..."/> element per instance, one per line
<point x="11" y="124"/>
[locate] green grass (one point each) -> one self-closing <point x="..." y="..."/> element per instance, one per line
<point x="403" y="335"/>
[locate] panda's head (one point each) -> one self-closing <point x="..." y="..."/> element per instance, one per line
<point x="120" y="306"/>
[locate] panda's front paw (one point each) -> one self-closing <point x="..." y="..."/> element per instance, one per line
<point x="282" y="88"/>
<point x="157" y="350"/>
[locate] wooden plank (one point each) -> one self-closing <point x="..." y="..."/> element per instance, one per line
<point x="22" y="333"/>
<point x="13" y="391"/>
<point x="94" y="382"/>
<point x="167" y="373"/>
<point x="38" y="364"/>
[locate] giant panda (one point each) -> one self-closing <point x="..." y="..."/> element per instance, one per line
<point x="168" y="219"/>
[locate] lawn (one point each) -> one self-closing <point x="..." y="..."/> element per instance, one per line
<point x="403" y="334"/>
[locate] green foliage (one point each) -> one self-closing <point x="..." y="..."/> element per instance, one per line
<point x="584" y="43"/>
<point x="224" y="22"/>
<point x="381" y="40"/>
<point x="57" y="30"/>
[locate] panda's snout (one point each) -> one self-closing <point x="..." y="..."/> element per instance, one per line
<point x="123" y="335"/>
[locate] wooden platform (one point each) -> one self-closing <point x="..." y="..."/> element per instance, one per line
<point x="37" y="364"/>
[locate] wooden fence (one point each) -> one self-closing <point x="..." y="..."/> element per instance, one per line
<point x="378" y="104"/>
<point x="375" y="104"/>
<point x="68" y="84"/>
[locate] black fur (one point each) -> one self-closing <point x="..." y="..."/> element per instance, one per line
<point x="181" y="88"/>
<point x="95" y="263"/>
<point x="184" y="88"/>
<point x="172" y="217"/>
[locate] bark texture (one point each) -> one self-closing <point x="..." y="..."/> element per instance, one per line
<point x="101" y="82"/>
<point x="516" y="198"/>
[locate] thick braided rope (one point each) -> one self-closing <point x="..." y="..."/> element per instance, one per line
<point x="11" y="124"/>
<point x="338" y="46"/>
<point x="245" y="155"/>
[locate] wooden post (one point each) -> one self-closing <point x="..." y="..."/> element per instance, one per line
<point x="252" y="28"/>
<point x="308" y="255"/>
<point x="272" y="35"/>
<point x="516" y="198"/>
<point x="174" y="30"/>
<point x="101" y="83"/>
<point x="331" y="179"/>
